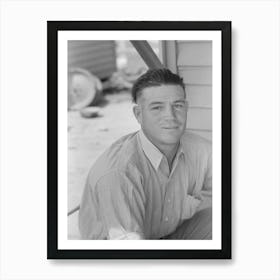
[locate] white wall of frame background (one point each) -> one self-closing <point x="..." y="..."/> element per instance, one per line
<point x="255" y="151"/>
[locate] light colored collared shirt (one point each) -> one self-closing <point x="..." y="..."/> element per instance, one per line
<point x="131" y="193"/>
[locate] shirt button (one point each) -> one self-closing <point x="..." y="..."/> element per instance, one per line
<point x="168" y="200"/>
<point x="166" y="219"/>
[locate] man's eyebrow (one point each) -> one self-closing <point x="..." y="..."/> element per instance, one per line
<point x="161" y="102"/>
<point x="180" y="101"/>
<point x="156" y="103"/>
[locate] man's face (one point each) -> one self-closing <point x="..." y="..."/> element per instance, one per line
<point x="162" y="114"/>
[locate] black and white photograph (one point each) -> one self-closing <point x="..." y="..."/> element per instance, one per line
<point x="140" y="140"/>
<point x="140" y="164"/>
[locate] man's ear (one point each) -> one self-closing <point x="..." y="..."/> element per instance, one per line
<point x="137" y="113"/>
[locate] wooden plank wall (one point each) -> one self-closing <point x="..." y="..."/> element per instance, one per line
<point x="98" y="57"/>
<point x="194" y="64"/>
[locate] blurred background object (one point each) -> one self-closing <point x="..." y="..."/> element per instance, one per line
<point x="90" y="112"/>
<point x="116" y="63"/>
<point x="97" y="57"/>
<point x="129" y="60"/>
<point x="84" y="89"/>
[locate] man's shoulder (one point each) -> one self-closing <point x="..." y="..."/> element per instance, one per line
<point x="121" y="155"/>
<point x="193" y="142"/>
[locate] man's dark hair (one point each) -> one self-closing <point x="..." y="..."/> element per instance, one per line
<point x="153" y="78"/>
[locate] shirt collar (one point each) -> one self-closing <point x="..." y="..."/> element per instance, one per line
<point x="152" y="152"/>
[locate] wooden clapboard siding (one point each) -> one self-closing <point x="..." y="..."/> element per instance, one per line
<point x="199" y="95"/>
<point x="196" y="75"/>
<point x="98" y="57"/>
<point x="194" y="53"/>
<point x="199" y="118"/>
<point x="194" y="65"/>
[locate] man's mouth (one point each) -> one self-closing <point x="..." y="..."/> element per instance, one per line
<point x="170" y="127"/>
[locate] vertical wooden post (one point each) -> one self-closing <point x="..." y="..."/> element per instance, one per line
<point x="169" y="55"/>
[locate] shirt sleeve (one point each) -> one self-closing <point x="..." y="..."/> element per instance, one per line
<point x="90" y="223"/>
<point x="191" y="206"/>
<point x="121" y="206"/>
<point x="206" y="191"/>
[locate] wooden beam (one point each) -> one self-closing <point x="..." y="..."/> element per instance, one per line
<point x="147" y="53"/>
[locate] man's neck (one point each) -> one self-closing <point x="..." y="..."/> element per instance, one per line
<point x="170" y="153"/>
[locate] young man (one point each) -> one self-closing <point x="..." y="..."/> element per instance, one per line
<point x="155" y="183"/>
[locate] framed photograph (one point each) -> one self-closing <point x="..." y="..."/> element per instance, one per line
<point x="139" y="140"/>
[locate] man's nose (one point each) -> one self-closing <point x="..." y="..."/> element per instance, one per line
<point x="169" y="112"/>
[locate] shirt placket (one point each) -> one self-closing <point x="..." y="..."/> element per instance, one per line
<point x="167" y="199"/>
<point x="164" y="175"/>
<point x="167" y="220"/>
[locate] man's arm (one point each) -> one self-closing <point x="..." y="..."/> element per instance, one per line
<point x="117" y="205"/>
<point x="206" y="191"/>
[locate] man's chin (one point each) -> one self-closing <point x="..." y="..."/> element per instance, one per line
<point x="174" y="133"/>
<point x="170" y="139"/>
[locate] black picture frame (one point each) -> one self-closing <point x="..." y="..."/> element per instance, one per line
<point x="53" y="27"/>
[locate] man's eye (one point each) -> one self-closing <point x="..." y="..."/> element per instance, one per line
<point x="179" y="106"/>
<point x="156" y="108"/>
